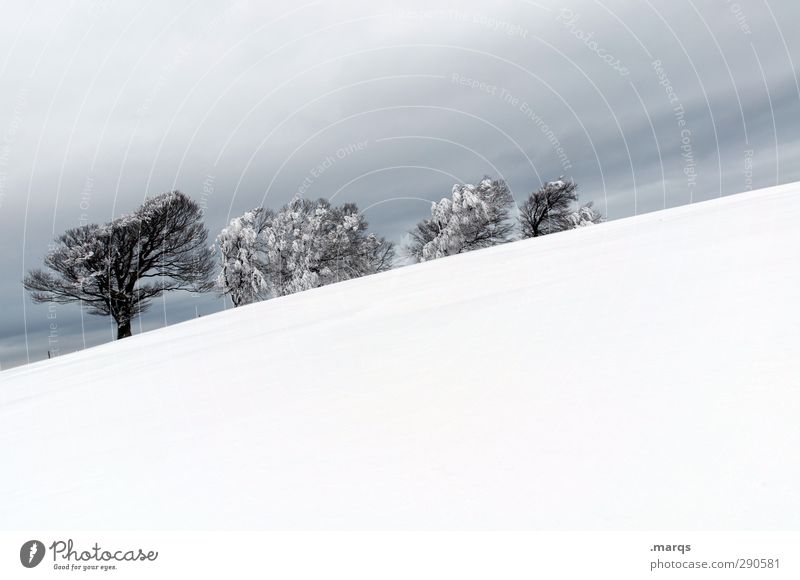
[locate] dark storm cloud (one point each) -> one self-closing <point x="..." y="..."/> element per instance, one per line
<point x="647" y="105"/>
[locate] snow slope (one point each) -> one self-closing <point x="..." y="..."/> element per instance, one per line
<point x="644" y="373"/>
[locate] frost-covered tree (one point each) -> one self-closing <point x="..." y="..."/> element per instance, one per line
<point x="585" y="215"/>
<point x="475" y="216"/>
<point x="241" y="248"/>
<point x="116" y="269"/>
<point x="312" y="243"/>
<point x="547" y="210"/>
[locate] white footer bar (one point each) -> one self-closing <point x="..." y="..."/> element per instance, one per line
<point x="400" y="555"/>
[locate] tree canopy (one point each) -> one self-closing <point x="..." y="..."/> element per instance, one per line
<point x="117" y="268"/>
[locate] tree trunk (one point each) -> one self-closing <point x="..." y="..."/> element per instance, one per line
<point x="124" y="329"/>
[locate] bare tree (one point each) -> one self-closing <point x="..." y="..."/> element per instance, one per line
<point x="116" y="269"/>
<point x="381" y="254"/>
<point x="547" y="210"/>
<point x="424" y="233"/>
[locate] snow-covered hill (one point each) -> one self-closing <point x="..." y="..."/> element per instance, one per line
<point x="644" y="373"/>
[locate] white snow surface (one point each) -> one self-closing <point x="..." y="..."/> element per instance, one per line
<point x="640" y="374"/>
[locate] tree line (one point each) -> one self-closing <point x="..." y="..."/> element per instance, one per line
<point x="116" y="269"/>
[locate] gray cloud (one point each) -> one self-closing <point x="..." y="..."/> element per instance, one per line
<point x="242" y="102"/>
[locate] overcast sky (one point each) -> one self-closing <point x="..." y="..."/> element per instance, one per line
<point x="646" y="104"/>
